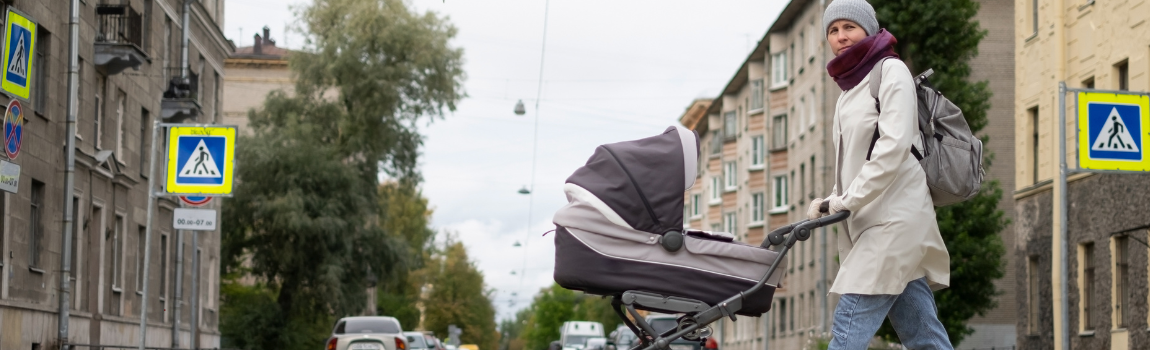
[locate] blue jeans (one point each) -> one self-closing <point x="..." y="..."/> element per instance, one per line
<point x="912" y="313"/>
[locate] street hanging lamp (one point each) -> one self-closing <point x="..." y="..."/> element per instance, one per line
<point x="519" y="108"/>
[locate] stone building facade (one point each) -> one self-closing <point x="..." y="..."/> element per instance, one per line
<point x="129" y="53"/>
<point x="771" y="126"/>
<point x="1086" y="44"/>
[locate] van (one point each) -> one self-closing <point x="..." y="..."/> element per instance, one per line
<point x="573" y="334"/>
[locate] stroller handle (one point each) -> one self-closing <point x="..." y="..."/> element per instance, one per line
<point x="802" y="229"/>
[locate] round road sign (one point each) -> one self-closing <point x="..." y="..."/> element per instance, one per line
<point x="195" y="201"/>
<point x="13" y="129"/>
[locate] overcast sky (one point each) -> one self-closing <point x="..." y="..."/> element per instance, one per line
<point x="613" y="71"/>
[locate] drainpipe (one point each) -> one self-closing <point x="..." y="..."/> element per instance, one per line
<point x="184" y="43"/>
<point x="69" y="170"/>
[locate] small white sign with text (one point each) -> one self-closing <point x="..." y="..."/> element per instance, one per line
<point x="194" y="219"/>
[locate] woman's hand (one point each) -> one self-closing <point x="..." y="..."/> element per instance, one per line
<point x="835" y="204"/>
<point x="813" y="210"/>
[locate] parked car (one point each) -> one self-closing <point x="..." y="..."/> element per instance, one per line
<point x="468" y="347"/>
<point x="433" y="342"/>
<point x="622" y="338"/>
<point x="663" y="322"/>
<point x="450" y="347"/>
<point x="416" y="341"/>
<point x="573" y="334"/>
<point x="367" y="333"/>
<point x="595" y="343"/>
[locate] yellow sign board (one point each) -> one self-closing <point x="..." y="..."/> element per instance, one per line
<point x="200" y="159"/>
<point x="19" y="48"/>
<point x="1112" y="130"/>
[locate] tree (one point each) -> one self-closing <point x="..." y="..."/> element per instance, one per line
<point x="305" y="219"/>
<point x="943" y="35"/>
<point x="457" y="296"/>
<point x="405" y="216"/>
<point x="554" y="305"/>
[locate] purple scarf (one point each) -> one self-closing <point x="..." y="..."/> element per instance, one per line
<point x="849" y="68"/>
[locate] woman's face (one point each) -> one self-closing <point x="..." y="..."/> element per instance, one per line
<point x="842" y="34"/>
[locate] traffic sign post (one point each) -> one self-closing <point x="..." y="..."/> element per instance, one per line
<point x="19" y="48"/>
<point x="13" y="129"/>
<point x="200" y="160"/>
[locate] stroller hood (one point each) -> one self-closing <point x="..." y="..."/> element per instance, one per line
<point x="643" y="180"/>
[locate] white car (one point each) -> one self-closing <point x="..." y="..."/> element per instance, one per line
<point x="367" y="333"/>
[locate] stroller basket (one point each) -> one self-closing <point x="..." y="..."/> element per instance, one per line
<point x="621" y="236"/>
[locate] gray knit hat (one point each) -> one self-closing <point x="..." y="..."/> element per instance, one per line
<point x="858" y="11"/>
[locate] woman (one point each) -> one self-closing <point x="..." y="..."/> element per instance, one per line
<point x="892" y="254"/>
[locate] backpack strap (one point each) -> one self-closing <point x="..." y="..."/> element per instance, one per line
<point x="875" y="83"/>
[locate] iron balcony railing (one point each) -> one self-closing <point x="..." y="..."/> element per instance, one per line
<point x="119" y="24"/>
<point x="180" y="86"/>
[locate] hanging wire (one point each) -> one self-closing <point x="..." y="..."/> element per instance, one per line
<point x="535" y="142"/>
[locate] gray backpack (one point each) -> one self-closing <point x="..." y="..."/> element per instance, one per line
<point x="952" y="155"/>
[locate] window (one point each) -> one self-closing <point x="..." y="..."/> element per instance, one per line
<point x="1088" y="83"/>
<point x="780" y="200"/>
<point x="80" y="95"/>
<point x="783" y="314"/>
<point x="757" y="208"/>
<point x="1034" y="300"/>
<point x="802" y="182"/>
<point x="1033" y="111"/>
<point x="1086" y="283"/>
<point x="35" y="223"/>
<point x="732" y="176"/>
<point x="716" y="228"/>
<point x="716" y="143"/>
<point x="1034" y="17"/>
<point x="756" y="94"/>
<point x="814" y="118"/>
<point x="814" y="186"/>
<point x="758" y="152"/>
<point x="41" y="69"/>
<point x="145" y="134"/>
<point x="141" y="251"/>
<point x="695" y="199"/>
<point x="1121" y="282"/>
<point x="1122" y="73"/>
<point x="216" y="98"/>
<point x="716" y="190"/>
<point x="163" y="266"/>
<point x="73" y="262"/>
<point x="98" y="115"/>
<point x="121" y="126"/>
<point x="729" y="223"/>
<point x="800" y="117"/>
<point x="779" y="69"/>
<point x="167" y="47"/>
<point x="117" y="243"/>
<point x="730" y="125"/>
<point x="779" y="132"/>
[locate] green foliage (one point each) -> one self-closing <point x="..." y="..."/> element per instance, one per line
<point x="404" y="215"/>
<point x="553" y="306"/>
<point x="942" y="35"/>
<point x="457" y="296"/>
<point x="307" y="219"/>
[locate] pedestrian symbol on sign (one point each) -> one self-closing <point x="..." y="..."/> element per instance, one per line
<point x="1114" y="130"/>
<point x="17" y="64"/>
<point x="200" y="164"/>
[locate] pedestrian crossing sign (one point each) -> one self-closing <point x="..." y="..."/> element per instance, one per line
<point x="200" y="159"/>
<point x="19" y="47"/>
<point x="1112" y="131"/>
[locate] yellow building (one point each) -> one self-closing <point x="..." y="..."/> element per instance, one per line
<point x="1086" y="44"/>
<point x="252" y="73"/>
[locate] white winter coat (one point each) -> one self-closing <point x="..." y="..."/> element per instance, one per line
<point x="892" y="234"/>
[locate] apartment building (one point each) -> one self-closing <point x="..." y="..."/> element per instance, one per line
<point x="1086" y="44"/>
<point x="130" y="74"/>
<point x="253" y="72"/>
<point x="767" y="153"/>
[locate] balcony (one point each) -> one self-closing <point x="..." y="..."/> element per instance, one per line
<point x="181" y="99"/>
<point x="119" y="38"/>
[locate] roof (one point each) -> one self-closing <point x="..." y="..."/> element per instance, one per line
<point x="695" y="115"/>
<point x="268" y="52"/>
<point x="736" y="83"/>
<point x="788" y="16"/>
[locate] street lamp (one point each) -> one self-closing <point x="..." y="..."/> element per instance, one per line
<point x="519" y="108"/>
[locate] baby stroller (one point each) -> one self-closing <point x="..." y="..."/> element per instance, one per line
<point x="621" y="235"/>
